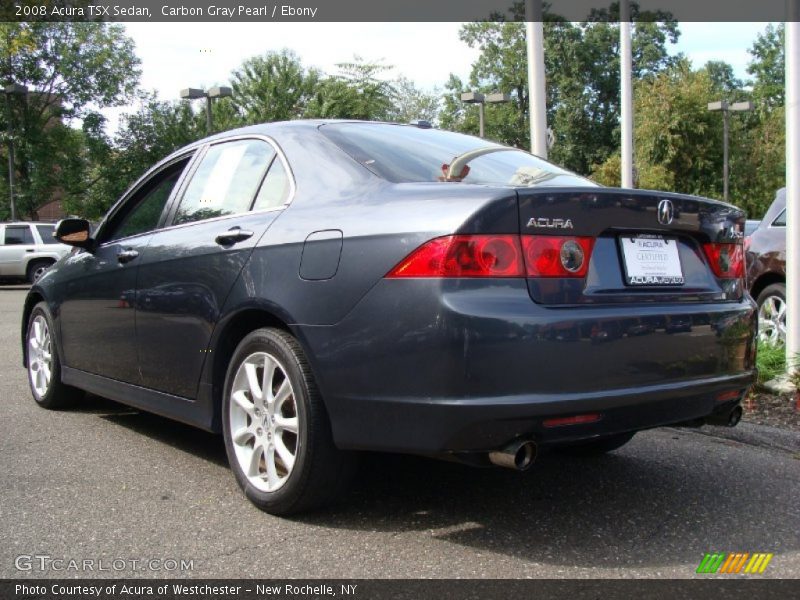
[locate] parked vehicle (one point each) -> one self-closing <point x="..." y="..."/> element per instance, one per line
<point x="314" y="288"/>
<point x="750" y="226"/>
<point x="766" y="270"/>
<point x="27" y="250"/>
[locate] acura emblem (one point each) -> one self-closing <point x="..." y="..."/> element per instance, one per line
<point x="666" y="212"/>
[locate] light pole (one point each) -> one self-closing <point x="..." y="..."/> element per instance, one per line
<point x="481" y="100"/>
<point x="722" y="105"/>
<point x="214" y="92"/>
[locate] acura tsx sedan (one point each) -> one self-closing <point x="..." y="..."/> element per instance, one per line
<point x="310" y="289"/>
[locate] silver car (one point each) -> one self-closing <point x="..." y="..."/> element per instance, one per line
<point x="28" y="249"/>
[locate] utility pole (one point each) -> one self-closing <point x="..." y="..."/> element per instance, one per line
<point x="626" y="89"/>
<point x="537" y="100"/>
<point x="792" y="184"/>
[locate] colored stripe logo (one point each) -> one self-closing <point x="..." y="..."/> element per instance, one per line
<point x="735" y="562"/>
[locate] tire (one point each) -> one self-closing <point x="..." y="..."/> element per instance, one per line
<point x="597" y="447"/>
<point x="281" y="451"/>
<point x="772" y="314"/>
<point x="36" y="269"/>
<point x="42" y="355"/>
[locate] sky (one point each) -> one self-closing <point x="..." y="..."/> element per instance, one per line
<point x="176" y="56"/>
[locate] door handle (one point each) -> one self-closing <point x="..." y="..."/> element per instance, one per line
<point x="233" y="236"/>
<point x="29" y="250"/>
<point x="126" y="256"/>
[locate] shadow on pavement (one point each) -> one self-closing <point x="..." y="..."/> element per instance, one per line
<point x="665" y="499"/>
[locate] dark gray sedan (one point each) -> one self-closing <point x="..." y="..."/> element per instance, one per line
<point x="311" y="289"/>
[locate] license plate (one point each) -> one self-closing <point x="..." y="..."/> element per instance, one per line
<point x="651" y="260"/>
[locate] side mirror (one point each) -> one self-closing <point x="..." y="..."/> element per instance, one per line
<point x="74" y="232"/>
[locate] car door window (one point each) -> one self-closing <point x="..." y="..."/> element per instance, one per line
<point x="780" y="221"/>
<point x="226" y="180"/>
<point x="147" y="205"/>
<point x="18" y="235"/>
<point x="274" y="191"/>
<point x="46" y="233"/>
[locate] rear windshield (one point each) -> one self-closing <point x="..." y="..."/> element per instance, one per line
<point x="408" y="154"/>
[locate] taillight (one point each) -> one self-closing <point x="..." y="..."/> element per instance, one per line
<point x="557" y="256"/>
<point x="726" y="260"/>
<point x="464" y="256"/>
<point x="498" y="256"/>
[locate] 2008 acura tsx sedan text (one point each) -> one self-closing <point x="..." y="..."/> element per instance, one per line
<point x="310" y="289"/>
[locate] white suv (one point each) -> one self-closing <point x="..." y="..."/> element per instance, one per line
<point x="28" y="249"/>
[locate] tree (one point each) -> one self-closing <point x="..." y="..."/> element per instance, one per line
<point x="71" y="70"/>
<point x="582" y="69"/>
<point x="678" y="141"/>
<point x="356" y="92"/>
<point x="411" y="103"/>
<point x="273" y="87"/>
<point x="154" y="131"/>
<point x="768" y="68"/>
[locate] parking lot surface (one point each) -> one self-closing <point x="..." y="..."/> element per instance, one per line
<point x="106" y="482"/>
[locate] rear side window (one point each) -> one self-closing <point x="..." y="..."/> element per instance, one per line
<point x="274" y="191"/>
<point x="407" y="154"/>
<point x="226" y="181"/>
<point x="46" y="233"/>
<point x="780" y="221"/>
<point x="17" y="235"/>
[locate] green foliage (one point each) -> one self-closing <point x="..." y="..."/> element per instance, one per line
<point x="771" y="362"/>
<point x="410" y="103"/>
<point x="582" y="69"/>
<point x="273" y="87"/>
<point x="356" y="92"/>
<point x="675" y="130"/>
<point x="768" y="68"/>
<point x="71" y="69"/>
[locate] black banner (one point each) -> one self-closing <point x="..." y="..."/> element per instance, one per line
<point x="365" y="589"/>
<point x="377" y="11"/>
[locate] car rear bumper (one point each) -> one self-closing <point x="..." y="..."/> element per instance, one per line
<point x="437" y="426"/>
<point x="434" y="367"/>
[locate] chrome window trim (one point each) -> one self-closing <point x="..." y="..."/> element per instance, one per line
<point x="236" y="138"/>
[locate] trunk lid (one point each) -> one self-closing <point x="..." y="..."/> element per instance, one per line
<point x="674" y="225"/>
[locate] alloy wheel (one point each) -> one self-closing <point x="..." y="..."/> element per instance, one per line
<point x="772" y="320"/>
<point x="264" y="421"/>
<point x="40" y="355"/>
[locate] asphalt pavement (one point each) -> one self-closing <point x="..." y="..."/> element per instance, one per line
<point x="106" y="483"/>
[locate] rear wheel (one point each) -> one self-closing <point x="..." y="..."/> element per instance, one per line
<point x="44" y="367"/>
<point x="277" y="433"/>
<point x="36" y="269"/>
<point x="601" y="446"/>
<point x="772" y="314"/>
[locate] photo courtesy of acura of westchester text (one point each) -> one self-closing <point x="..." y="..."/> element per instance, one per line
<point x="365" y="300"/>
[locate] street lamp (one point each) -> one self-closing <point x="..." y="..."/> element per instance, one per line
<point x="214" y="92"/>
<point x="722" y="105"/>
<point x="481" y="100"/>
<point x="13" y="89"/>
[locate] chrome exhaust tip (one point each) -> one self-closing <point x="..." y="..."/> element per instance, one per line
<point x="517" y="455"/>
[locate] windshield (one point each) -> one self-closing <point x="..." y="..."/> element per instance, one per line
<point x="408" y="154"/>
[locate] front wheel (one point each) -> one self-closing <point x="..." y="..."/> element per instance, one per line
<point x="277" y="433"/>
<point x="44" y="367"/>
<point x="600" y="446"/>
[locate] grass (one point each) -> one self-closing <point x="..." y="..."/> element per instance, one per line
<point x="771" y="362"/>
